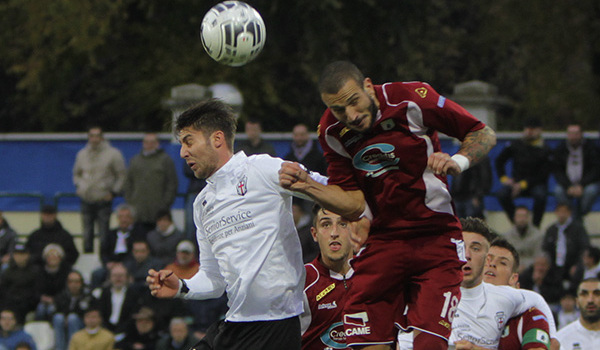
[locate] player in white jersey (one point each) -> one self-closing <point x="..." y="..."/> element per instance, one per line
<point x="584" y="333"/>
<point x="248" y="243"/>
<point x="530" y="330"/>
<point x="484" y="308"/>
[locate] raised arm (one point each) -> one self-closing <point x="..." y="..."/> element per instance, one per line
<point x="475" y="146"/>
<point x="349" y="204"/>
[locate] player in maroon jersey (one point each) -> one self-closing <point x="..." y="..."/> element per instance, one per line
<point x="530" y="330"/>
<point x="382" y="146"/>
<point x="327" y="282"/>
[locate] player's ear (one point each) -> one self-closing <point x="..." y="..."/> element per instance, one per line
<point x="218" y="139"/>
<point x="369" y="88"/>
<point x="514" y="280"/>
<point x="313" y="233"/>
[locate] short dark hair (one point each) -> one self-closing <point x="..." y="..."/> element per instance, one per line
<point x="502" y="242"/>
<point x="163" y="213"/>
<point x="590" y="279"/>
<point x="594" y="253"/>
<point x="476" y="225"/>
<point x="336" y="74"/>
<point x="209" y="116"/>
<point x="315" y="210"/>
<point x="563" y="205"/>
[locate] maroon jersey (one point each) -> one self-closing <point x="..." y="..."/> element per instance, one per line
<point x="528" y="331"/>
<point x="388" y="162"/>
<point x="326" y="293"/>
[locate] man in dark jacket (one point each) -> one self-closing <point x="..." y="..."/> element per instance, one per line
<point x="19" y="283"/>
<point x="577" y="171"/>
<point x="51" y="231"/>
<point x="179" y="337"/>
<point x="306" y="151"/>
<point x="564" y="242"/>
<point x="531" y="166"/>
<point x="151" y="183"/>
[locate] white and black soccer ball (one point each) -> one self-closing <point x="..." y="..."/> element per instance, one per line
<point x="233" y="33"/>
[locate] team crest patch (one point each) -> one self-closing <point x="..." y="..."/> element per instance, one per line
<point x="344" y="131"/>
<point x="242" y="186"/>
<point x="421" y="92"/>
<point x="387" y="124"/>
<point x="500" y="319"/>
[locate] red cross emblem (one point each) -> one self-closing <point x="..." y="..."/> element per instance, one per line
<point x="242" y="187"/>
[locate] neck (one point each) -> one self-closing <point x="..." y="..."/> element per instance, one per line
<point x="340" y="266"/>
<point x="590" y="326"/>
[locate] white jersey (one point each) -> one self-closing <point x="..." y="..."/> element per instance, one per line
<point x="576" y="337"/>
<point x="483" y="312"/>
<point x="248" y="243"/>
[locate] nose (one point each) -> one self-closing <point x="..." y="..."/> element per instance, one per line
<point x="334" y="234"/>
<point x="351" y="113"/>
<point x="183" y="152"/>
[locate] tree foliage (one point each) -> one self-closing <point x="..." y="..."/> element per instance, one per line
<point x="69" y="63"/>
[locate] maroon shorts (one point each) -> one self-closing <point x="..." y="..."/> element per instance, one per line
<point x="408" y="283"/>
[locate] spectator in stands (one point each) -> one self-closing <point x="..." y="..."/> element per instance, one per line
<point x="117" y="246"/>
<point x="186" y="260"/>
<point x="51" y="231"/>
<point x="254" y="143"/>
<point x="71" y="305"/>
<point x="588" y="266"/>
<point x="151" y="183"/>
<point x="10" y="332"/>
<point x="98" y="174"/>
<point x="537" y="278"/>
<point x="584" y="333"/>
<point x="303" y="221"/>
<point x="164" y="238"/>
<point x="143" y="335"/>
<point x="564" y="242"/>
<point x="306" y="151"/>
<point x="469" y="188"/>
<point x="577" y="172"/>
<point x="93" y="336"/>
<point x="117" y="302"/>
<point x="19" y="283"/>
<point x="140" y="263"/>
<point x="179" y="337"/>
<point x="52" y="281"/>
<point x="194" y="187"/>
<point x="531" y="166"/>
<point x="8" y="237"/>
<point x="526" y="238"/>
<point x="568" y="311"/>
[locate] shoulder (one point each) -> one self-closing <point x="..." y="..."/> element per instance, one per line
<point x="568" y="330"/>
<point x="415" y="91"/>
<point x="264" y="164"/>
<point x="312" y="275"/>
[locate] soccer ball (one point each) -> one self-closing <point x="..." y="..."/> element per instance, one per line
<point x="233" y="33"/>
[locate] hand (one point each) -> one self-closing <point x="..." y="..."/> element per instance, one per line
<point x="442" y="164"/>
<point x="359" y="232"/>
<point x="292" y="176"/>
<point x="516" y="189"/>
<point x="163" y="283"/>
<point x="575" y="191"/>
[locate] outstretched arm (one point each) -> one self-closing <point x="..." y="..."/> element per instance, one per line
<point x="349" y="204"/>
